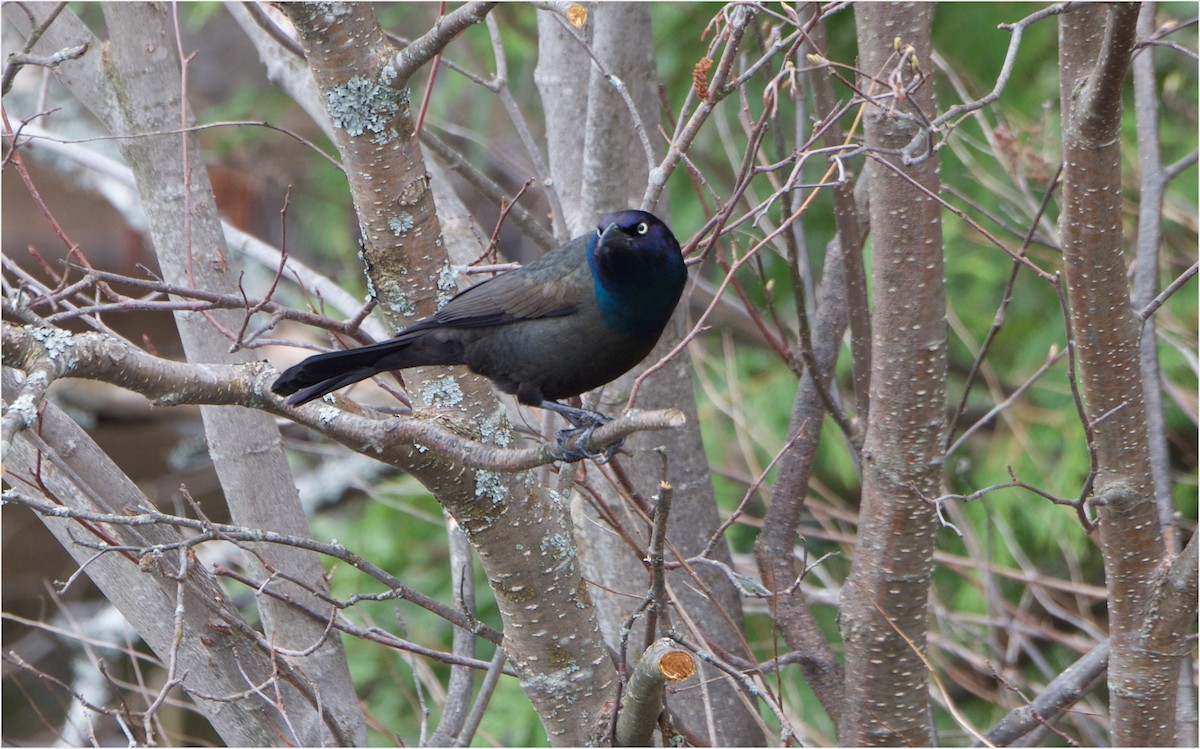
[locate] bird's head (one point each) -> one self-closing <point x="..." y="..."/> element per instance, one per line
<point x="638" y="232"/>
<point x="638" y="268"/>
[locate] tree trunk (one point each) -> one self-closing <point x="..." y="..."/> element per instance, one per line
<point x="1095" y="44"/>
<point x="884" y="601"/>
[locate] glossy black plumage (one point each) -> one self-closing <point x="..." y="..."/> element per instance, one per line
<point x="578" y="317"/>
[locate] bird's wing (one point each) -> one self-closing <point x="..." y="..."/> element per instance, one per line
<point x="551" y="286"/>
<point x="508" y="298"/>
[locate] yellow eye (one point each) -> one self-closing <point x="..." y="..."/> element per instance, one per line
<point x="642" y="228"/>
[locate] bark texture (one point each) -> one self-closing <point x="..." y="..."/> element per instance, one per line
<point x="884" y="600"/>
<point x="1095" y="42"/>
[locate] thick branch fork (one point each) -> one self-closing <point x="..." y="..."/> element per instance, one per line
<point x="395" y="440"/>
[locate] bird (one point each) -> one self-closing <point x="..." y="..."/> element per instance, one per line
<point x="576" y="318"/>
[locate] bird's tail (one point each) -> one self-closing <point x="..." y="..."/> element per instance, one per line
<point x="324" y="373"/>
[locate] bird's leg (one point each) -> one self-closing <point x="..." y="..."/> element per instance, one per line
<point x="572" y="442"/>
<point x="579" y="417"/>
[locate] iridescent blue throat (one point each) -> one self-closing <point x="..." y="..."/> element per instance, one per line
<point x="636" y="294"/>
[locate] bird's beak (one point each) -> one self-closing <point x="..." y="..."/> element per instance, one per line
<point x="614" y="237"/>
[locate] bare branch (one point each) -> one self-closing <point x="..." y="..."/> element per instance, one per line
<point x="662" y="663"/>
<point x="423" y="49"/>
<point x="19" y="59"/>
<point x="681" y="141"/>
<point x="1174" y="169"/>
<point x="393" y="440"/>
<point x="1066" y="690"/>
<point x="1006" y="69"/>
<point x="1146" y="312"/>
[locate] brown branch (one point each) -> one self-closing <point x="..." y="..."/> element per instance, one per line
<point x="445" y="28"/>
<point x="662" y="663"/>
<point x="1016" y="256"/>
<point x="1067" y="689"/>
<point x="206" y="530"/>
<point x="687" y="130"/>
<point x="852" y="229"/>
<point x="398" y="441"/>
<point x="454" y="160"/>
<point x="373" y="634"/>
<point x="1161" y="299"/>
<point x="1003" y="77"/>
<point x="217" y="655"/>
<point x="998" y="321"/>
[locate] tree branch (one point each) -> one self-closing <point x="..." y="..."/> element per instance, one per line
<point x="395" y="440"/>
<point x="1067" y="689"/>
<point x="662" y="663"/>
<point x="58" y="465"/>
<point x="445" y="28"/>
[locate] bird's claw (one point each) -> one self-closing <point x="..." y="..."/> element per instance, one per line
<point x="572" y="446"/>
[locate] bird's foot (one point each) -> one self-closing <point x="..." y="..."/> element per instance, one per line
<point x="572" y="443"/>
<point x="572" y="446"/>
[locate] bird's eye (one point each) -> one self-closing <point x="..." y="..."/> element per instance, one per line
<point x="642" y="228"/>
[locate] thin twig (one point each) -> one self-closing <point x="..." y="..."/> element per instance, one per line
<point x="999" y="318"/>
<point x="18" y="60"/>
<point x="1166" y="294"/>
<point x="658" y="580"/>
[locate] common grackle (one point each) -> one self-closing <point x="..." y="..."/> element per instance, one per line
<point x="577" y="318"/>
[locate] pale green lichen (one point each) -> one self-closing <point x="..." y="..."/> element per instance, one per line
<point x="55" y="340"/>
<point x="444" y="392"/>
<point x="366" y="266"/>
<point x="581" y="597"/>
<point x="490" y="485"/>
<point x="26" y="404"/>
<point x="401" y="224"/>
<point x="389" y="135"/>
<point x="517" y="593"/>
<point x="168" y="400"/>
<point x="330" y="12"/>
<point x="558" y="546"/>
<point x="496" y="430"/>
<point x="393" y="295"/>
<point x="328" y="414"/>
<point x="447" y="284"/>
<point x="360" y="104"/>
<point x="562" y="659"/>
<point x="560" y="681"/>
